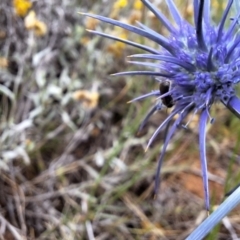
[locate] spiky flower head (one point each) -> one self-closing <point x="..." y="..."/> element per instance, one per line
<point x="201" y="62"/>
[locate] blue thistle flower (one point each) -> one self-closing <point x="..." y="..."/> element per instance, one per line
<point x="201" y="63"/>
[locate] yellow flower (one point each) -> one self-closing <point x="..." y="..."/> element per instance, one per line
<point x="120" y="4"/>
<point x="117" y="48"/>
<point x="135" y="15"/>
<point x="21" y="7"/>
<point x="189" y="10"/>
<point x="215" y="4"/>
<point x="85" y="40"/>
<point x="32" y="23"/>
<point x="3" y="62"/>
<point x="91" y="23"/>
<point x="138" y="5"/>
<point x="89" y="99"/>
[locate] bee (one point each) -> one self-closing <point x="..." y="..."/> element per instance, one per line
<point x="164" y="87"/>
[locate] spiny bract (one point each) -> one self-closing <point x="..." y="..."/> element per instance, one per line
<point x="201" y="62"/>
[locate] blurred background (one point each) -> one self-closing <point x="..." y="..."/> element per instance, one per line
<point x="72" y="161"/>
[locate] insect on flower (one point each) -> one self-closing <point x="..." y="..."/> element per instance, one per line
<point x="201" y="62"/>
<point x="164" y="88"/>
